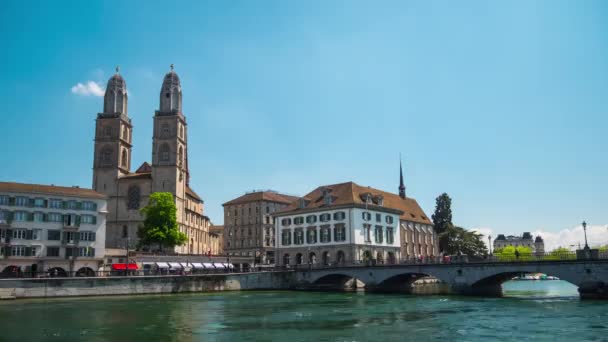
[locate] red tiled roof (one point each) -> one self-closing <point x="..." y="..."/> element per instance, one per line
<point x="350" y="193"/>
<point x="268" y="196"/>
<point x="50" y="190"/>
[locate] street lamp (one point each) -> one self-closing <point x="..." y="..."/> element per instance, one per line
<point x="585" y="230"/>
<point x="490" y="243"/>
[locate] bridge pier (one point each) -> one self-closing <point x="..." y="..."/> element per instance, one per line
<point x="593" y="290"/>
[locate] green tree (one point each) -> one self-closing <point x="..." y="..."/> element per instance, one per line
<point x="160" y="223"/>
<point x="560" y="253"/>
<point x="512" y="253"/>
<point x="442" y="219"/>
<point x="461" y="241"/>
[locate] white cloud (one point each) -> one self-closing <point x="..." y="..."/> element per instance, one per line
<point x="91" y="88"/>
<point x="597" y="235"/>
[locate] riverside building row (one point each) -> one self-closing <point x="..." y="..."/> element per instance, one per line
<point x="333" y="224"/>
<point x="51" y="229"/>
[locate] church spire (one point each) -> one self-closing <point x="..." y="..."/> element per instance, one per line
<point x="401" y="185"/>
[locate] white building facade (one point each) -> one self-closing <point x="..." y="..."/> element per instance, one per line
<point x="348" y="223"/>
<point x="51" y="230"/>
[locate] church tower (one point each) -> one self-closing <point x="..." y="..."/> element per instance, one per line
<point x="169" y="142"/>
<point x="113" y="133"/>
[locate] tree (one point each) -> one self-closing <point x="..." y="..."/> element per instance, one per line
<point x="512" y="253"/>
<point x="160" y="223"/>
<point x="461" y="241"/>
<point x="442" y="219"/>
<point x="560" y="253"/>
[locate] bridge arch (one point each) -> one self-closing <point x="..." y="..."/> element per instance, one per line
<point x="401" y="282"/>
<point x="337" y="281"/>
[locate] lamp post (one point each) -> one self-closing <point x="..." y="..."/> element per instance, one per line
<point x="585" y="230"/>
<point x="490" y="243"/>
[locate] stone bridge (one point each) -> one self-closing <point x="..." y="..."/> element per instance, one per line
<point x="482" y="279"/>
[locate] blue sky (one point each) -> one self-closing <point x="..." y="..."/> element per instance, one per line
<point x="503" y="105"/>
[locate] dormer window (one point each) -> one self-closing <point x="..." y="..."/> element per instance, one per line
<point x="379" y="200"/>
<point x="302" y="203"/>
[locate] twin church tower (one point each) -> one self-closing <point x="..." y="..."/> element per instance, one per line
<point x="128" y="191"/>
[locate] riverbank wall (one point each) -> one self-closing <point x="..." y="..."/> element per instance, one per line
<point x="112" y="286"/>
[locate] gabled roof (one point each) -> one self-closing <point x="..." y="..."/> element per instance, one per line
<point x="268" y="196"/>
<point x="50" y="190"/>
<point x="144" y="168"/>
<point x="193" y="194"/>
<point x="350" y="193"/>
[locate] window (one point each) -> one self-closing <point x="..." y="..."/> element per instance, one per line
<point x="298" y="220"/>
<point x="21" y="201"/>
<point x="311" y="219"/>
<point x="72" y="205"/>
<point x="107" y="131"/>
<point x="367" y="232"/>
<point x="89" y="219"/>
<point x="53" y="235"/>
<point x="378" y="234"/>
<point x="164" y="152"/>
<point x="70" y="237"/>
<point x="366" y="216"/>
<point x="52" y="251"/>
<point x="286" y="237"/>
<point x="165" y="129"/>
<point x="39" y="203"/>
<point x="54" y="217"/>
<point x="378" y="217"/>
<point x="4" y="200"/>
<point x="18" y="251"/>
<point x="20" y="216"/>
<point x="311" y="236"/>
<point x="71" y="220"/>
<point x="267" y="209"/>
<point x="86" y="252"/>
<point x="298" y="237"/>
<point x="106" y="156"/>
<point x="36" y="234"/>
<point x="324" y="217"/>
<point x="19" y="233"/>
<point x="134" y="197"/>
<point x="56" y="204"/>
<point x="325" y="235"/>
<point x="389" y="219"/>
<point x="339" y="216"/>
<point x="88" y="205"/>
<point x="39" y="217"/>
<point x="286" y="222"/>
<point x="339" y="233"/>
<point x="390" y="235"/>
<point x="33" y="251"/>
<point x="123" y="158"/>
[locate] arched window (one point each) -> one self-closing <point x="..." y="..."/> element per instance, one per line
<point x="325" y="258"/>
<point x="181" y="131"/>
<point x="180" y="156"/>
<point x="312" y="258"/>
<point x="125" y="133"/>
<point x="299" y="259"/>
<point x="123" y="159"/>
<point x="286" y="259"/>
<point x="134" y="197"/>
<point x="164" y="152"/>
<point x="340" y="257"/>
<point x="105" y="157"/>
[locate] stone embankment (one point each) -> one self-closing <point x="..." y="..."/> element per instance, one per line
<point x="108" y="286"/>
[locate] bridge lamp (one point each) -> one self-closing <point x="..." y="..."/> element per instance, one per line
<point x="490" y="243"/>
<point x="585" y="230"/>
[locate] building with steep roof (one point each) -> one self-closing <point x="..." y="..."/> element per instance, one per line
<point x="129" y="191"/>
<point x="347" y="222"/>
<point x="249" y="227"/>
<point x="537" y="245"/>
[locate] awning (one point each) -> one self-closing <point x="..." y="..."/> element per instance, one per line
<point x="197" y="265"/>
<point x="147" y="264"/>
<point x="122" y="267"/>
<point x="229" y="265"/>
<point x="175" y="265"/>
<point x="162" y="265"/>
<point x="208" y="265"/>
<point x="185" y="265"/>
<point x="218" y="265"/>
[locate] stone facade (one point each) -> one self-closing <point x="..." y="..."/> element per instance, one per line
<point x="217" y="233"/>
<point x="129" y="191"/>
<point x="51" y="230"/>
<point x="249" y="227"/>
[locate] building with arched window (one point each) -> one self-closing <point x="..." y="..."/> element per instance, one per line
<point x="128" y="191"/>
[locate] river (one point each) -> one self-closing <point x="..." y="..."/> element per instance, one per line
<point x="542" y="310"/>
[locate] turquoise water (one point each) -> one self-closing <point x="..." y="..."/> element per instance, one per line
<point x="547" y="311"/>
